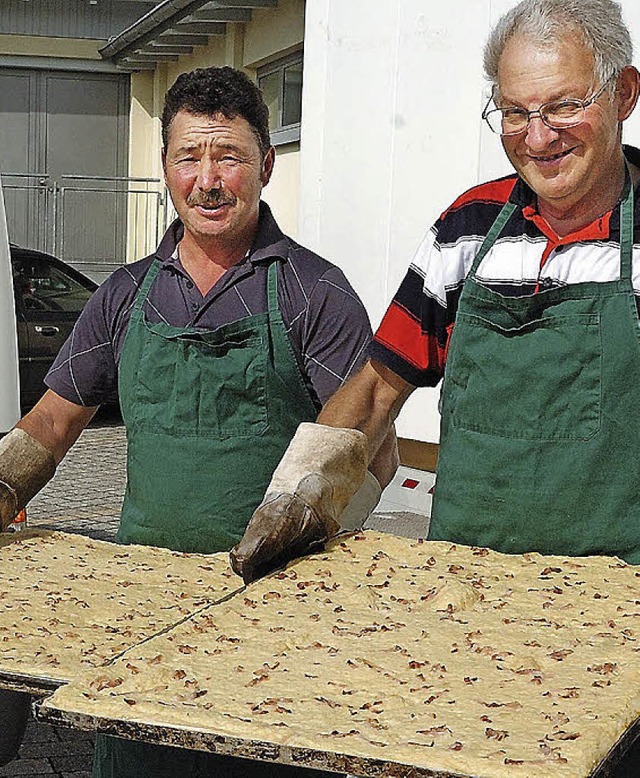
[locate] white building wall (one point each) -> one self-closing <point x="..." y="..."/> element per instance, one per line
<point x="391" y="134"/>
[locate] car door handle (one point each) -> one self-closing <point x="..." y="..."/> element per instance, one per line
<point x="47" y="330"/>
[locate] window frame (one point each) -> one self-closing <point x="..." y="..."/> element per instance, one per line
<point x="288" y="133"/>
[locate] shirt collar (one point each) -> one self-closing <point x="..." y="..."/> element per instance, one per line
<point x="270" y="242"/>
<point x="524" y="197"/>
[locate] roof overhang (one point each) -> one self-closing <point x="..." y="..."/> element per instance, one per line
<point x="173" y="27"/>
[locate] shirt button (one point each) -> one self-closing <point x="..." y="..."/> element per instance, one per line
<point x="194" y="306"/>
<point x="189" y="284"/>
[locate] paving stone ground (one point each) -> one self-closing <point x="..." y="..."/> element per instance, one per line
<point x="86" y="493"/>
<point x="85" y="497"/>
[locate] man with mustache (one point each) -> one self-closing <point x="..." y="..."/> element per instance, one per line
<point x="219" y="345"/>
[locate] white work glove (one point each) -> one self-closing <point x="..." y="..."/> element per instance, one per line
<point x="314" y="482"/>
<point x="25" y="467"/>
<point x="362" y="504"/>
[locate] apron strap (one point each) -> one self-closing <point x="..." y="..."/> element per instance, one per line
<point x="280" y="341"/>
<point x="143" y="291"/>
<point x="626" y="231"/>
<point x="272" y="291"/>
<point x="496" y="229"/>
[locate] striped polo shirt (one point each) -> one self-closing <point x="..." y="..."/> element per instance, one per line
<point x="528" y="258"/>
<point x="326" y="323"/>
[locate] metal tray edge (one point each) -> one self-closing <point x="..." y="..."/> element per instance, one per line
<point x="249" y="749"/>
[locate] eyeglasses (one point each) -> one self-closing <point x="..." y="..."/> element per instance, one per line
<point x="558" y="114"/>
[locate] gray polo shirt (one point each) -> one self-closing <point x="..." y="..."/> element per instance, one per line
<point x="326" y="322"/>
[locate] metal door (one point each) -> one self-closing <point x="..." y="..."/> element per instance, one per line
<point x="63" y="151"/>
<point x="20" y="157"/>
<point x="85" y="138"/>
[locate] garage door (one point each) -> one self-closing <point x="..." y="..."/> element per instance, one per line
<point x="63" y="156"/>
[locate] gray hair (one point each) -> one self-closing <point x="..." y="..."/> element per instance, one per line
<point x="546" y="22"/>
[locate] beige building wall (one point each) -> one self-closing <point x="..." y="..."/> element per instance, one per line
<point x="145" y="135"/>
<point x="203" y="57"/>
<point x="36" y="46"/>
<point x="145" y="163"/>
<point x="282" y="193"/>
<point x="274" y="32"/>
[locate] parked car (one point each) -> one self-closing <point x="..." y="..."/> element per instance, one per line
<point x="49" y="296"/>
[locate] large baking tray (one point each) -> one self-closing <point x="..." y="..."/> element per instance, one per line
<point x="38" y="686"/>
<point x="353" y="598"/>
<point x="42" y="685"/>
<point x="289" y="755"/>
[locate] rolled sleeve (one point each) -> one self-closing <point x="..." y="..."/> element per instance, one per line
<point x="85" y="372"/>
<point x="335" y="334"/>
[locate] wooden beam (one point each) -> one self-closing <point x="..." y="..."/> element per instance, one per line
<point x="243" y="4"/>
<point x="157" y="47"/>
<point x="148" y="56"/>
<point x="133" y="64"/>
<point x="222" y="15"/>
<point x="417" y="454"/>
<point x="183" y="40"/>
<point x="200" y="28"/>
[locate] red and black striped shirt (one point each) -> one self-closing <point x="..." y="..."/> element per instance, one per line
<point x="527" y="258"/>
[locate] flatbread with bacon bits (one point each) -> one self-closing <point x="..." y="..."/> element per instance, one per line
<point x="425" y="654"/>
<point x="68" y="602"/>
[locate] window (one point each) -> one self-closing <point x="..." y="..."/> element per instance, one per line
<point x="281" y="85"/>
<point x="40" y="285"/>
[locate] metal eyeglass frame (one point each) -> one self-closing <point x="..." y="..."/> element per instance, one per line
<point x="581" y="106"/>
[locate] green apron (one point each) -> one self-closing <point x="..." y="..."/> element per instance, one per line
<point x="208" y="416"/>
<point x="540" y="421"/>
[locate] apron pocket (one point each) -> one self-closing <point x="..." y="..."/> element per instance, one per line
<point x="542" y="380"/>
<point x="193" y="387"/>
<point x="227" y="395"/>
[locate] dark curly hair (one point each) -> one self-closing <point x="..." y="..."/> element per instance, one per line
<point x="225" y="90"/>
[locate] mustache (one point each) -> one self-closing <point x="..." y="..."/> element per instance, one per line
<point x="213" y="198"/>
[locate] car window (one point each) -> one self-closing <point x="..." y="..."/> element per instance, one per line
<point x="40" y="285"/>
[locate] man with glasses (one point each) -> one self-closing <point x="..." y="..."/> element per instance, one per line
<point x="528" y="289"/>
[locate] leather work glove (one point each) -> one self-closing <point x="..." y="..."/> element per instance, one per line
<point x="25" y="467"/>
<point x="315" y="480"/>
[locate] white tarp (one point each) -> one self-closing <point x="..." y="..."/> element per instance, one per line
<point x="9" y="381"/>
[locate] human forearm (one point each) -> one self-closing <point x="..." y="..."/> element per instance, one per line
<point x="370" y="402"/>
<point x="387" y="459"/>
<point x="25" y="467"/>
<point x="30" y="453"/>
<point x="321" y="471"/>
<point x="56" y="423"/>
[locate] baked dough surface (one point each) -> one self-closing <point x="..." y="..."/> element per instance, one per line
<point x="428" y="654"/>
<point x="68" y="602"/>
